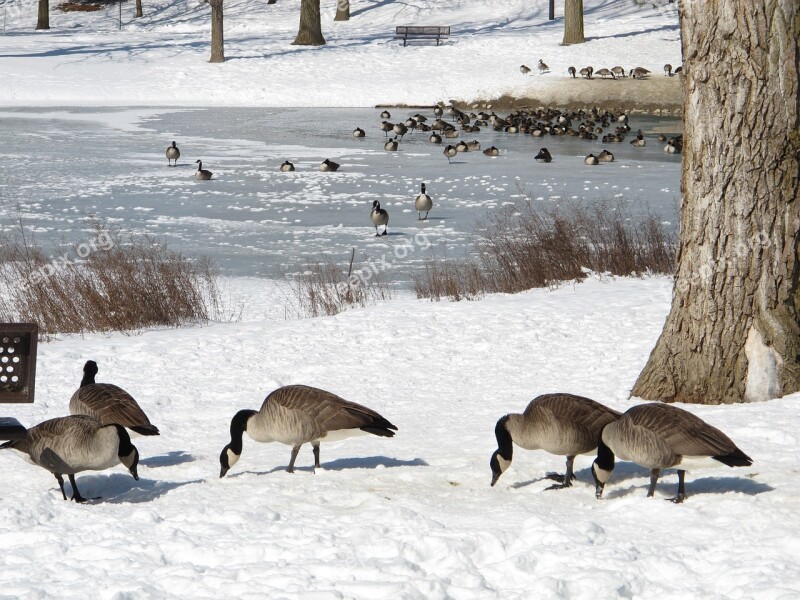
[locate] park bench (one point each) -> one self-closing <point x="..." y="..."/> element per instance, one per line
<point x="17" y="372"/>
<point x="410" y="33"/>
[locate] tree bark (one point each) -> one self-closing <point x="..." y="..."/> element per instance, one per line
<point x="342" y="10"/>
<point x="43" y="20"/>
<point x="217" y="37"/>
<point x="138" y="12"/>
<point x="573" y="22"/>
<point x="310" y="32"/>
<point x="733" y="332"/>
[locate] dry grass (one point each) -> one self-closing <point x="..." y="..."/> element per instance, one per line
<point x="325" y="288"/>
<point x="523" y="246"/>
<point x="78" y="7"/>
<point x="121" y="284"/>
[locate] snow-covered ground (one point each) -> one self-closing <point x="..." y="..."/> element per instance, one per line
<point x="408" y="517"/>
<point x="412" y="516"/>
<point x="161" y="59"/>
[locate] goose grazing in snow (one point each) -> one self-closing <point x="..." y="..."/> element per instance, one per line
<point x="70" y="445"/>
<point x="379" y="217"/>
<point x="173" y="154"/>
<point x="108" y="404"/>
<point x="586" y="72"/>
<point x="524" y="69"/>
<point x="668" y="70"/>
<point x="423" y="202"/>
<point x="660" y="436"/>
<point x="287" y="167"/>
<point x="561" y="424"/>
<point x="618" y="71"/>
<point x="297" y="414"/>
<point x="605" y="73"/>
<point x="571" y="71"/>
<point x="639" y="73"/>
<point x="202" y="174"/>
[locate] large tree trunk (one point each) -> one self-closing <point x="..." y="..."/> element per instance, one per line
<point x="733" y="333"/>
<point x="310" y="32"/>
<point x="138" y="12"/>
<point x="342" y="10"/>
<point x="573" y="22"/>
<point x="43" y="20"/>
<point x="217" y="37"/>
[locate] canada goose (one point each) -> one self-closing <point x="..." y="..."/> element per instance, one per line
<point x="450" y="132"/>
<point x="491" y="151"/>
<point x="70" y="445"/>
<point x="391" y="145"/>
<point x="587" y="72"/>
<point x="543" y="68"/>
<point x="286" y="166"/>
<point x="591" y="160"/>
<point x="473" y="146"/>
<point x="639" y="142"/>
<point x="524" y="70"/>
<point x="543" y="156"/>
<point x="605" y="156"/>
<point x="202" y="174"/>
<point x="678" y="70"/>
<point x="639" y="72"/>
<point x="668" y="70"/>
<point x="379" y="217"/>
<point x="435" y="138"/>
<point x="173" y="154"/>
<point x="358" y="132"/>
<point x="660" y="436"/>
<point x="400" y="129"/>
<point x="450" y="151"/>
<point x="618" y="71"/>
<point x="674" y="145"/>
<point x="423" y="202"/>
<point x="411" y="123"/>
<point x="385" y="115"/>
<point x="561" y="424"/>
<point x="296" y="414"/>
<point x="461" y="146"/>
<point x="662" y="137"/>
<point x="605" y="73"/>
<point x="571" y="71"/>
<point x="108" y="404"/>
<point x="328" y="166"/>
<point x="438" y="111"/>
<point x="386" y="127"/>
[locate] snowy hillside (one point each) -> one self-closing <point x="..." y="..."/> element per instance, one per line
<point x="161" y="59"/>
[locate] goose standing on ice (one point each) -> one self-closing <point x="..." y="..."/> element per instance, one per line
<point x="423" y="202"/>
<point x="108" y="404"/>
<point x="543" y="68"/>
<point x="660" y="436"/>
<point x="297" y="414"/>
<point x="70" y="445"/>
<point x="449" y="151"/>
<point x="561" y="424"/>
<point x="379" y="217"/>
<point x="202" y="174"/>
<point x="571" y="71"/>
<point x="173" y="154"/>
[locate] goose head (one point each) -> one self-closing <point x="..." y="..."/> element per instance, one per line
<point x="376" y="206"/>
<point x="89" y="371"/>
<point x="127" y="453"/>
<point x="602" y="468"/>
<point x="422" y="188"/>
<point x="233" y="451"/>
<point x="501" y="458"/>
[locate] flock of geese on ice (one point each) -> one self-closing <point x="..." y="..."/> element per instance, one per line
<point x="658" y="436"/>
<point x="587" y="125"/>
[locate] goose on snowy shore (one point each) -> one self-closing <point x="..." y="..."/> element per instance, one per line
<point x="298" y="414"/>
<point x="660" y="436"/>
<point x="561" y="424"/>
<point x="202" y="174"/>
<point x="379" y="216"/>
<point x="423" y="202"/>
<point x="173" y="154"/>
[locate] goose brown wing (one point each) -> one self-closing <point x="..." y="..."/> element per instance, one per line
<point x="683" y="432"/>
<point x="110" y="404"/>
<point x="580" y="410"/>
<point x="329" y="411"/>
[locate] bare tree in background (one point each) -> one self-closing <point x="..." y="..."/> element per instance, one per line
<point x="573" y="22"/>
<point x="310" y="32"/>
<point x="138" y="12"/>
<point x="342" y="10"/>
<point x="733" y="332"/>
<point x="217" y="37"/>
<point x="43" y="20"/>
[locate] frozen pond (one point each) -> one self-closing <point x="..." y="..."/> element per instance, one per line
<point x="59" y="165"/>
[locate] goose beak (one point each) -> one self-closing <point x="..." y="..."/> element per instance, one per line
<point x="495" y="477"/>
<point x="223" y="471"/>
<point x="135" y="472"/>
